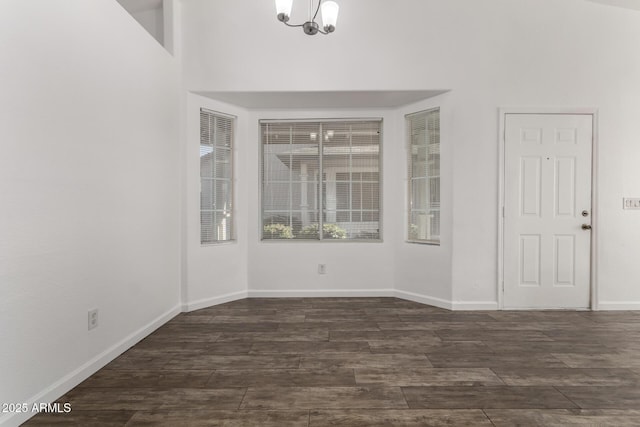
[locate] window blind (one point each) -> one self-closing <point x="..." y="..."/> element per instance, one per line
<point x="216" y="177"/>
<point x="321" y="176"/>
<point x="423" y="130"/>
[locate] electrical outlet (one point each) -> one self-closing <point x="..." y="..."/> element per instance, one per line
<point x="93" y="319"/>
<point x="322" y="268"/>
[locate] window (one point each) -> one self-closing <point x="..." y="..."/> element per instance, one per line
<point x="321" y="176"/>
<point x="216" y="178"/>
<point x="423" y="130"/>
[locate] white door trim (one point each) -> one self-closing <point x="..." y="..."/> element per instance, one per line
<point x="503" y="111"/>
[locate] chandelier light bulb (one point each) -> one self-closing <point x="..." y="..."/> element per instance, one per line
<point x="330" y="15"/>
<point x="283" y="9"/>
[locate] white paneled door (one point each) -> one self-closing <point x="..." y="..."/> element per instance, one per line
<point x="547" y="211"/>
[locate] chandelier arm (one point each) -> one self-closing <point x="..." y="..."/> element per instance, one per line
<point x="292" y="25"/>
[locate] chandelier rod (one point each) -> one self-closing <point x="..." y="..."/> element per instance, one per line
<point x="315" y="15"/>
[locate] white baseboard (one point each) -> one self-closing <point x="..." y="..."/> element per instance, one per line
<point x="69" y="381"/>
<point x="328" y="293"/>
<point x="210" y="302"/>
<point x="446" y="304"/>
<point x="319" y="293"/>
<point x="424" y="299"/>
<point x="618" y="305"/>
<point x="475" y="305"/>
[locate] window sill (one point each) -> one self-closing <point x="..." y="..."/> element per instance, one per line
<point x="218" y="243"/>
<point x="423" y="242"/>
<point x="339" y="241"/>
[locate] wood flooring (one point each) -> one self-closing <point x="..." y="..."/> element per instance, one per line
<point x="368" y="362"/>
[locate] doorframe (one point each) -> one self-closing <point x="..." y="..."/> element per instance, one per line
<point x="593" y="112"/>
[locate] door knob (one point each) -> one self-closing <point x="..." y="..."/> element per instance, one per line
<point x="586" y="227"/>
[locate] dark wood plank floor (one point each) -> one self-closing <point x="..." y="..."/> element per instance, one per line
<point x="368" y="362"/>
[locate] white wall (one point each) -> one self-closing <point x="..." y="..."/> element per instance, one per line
<point x="490" y="54"/>
<point x="89" y="191"/>
<point x="215" y="273"/>
<point x="568" y="53"/>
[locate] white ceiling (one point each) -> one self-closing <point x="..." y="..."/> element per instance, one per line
<point x="628" y="4"/>
<point x="134" y="6"/>
<point x="315" y="100"/>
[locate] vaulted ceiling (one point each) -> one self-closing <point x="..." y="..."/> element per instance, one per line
<point x="134" y="6"/>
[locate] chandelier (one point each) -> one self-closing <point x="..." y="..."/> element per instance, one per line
<point x="311" y="27"/>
